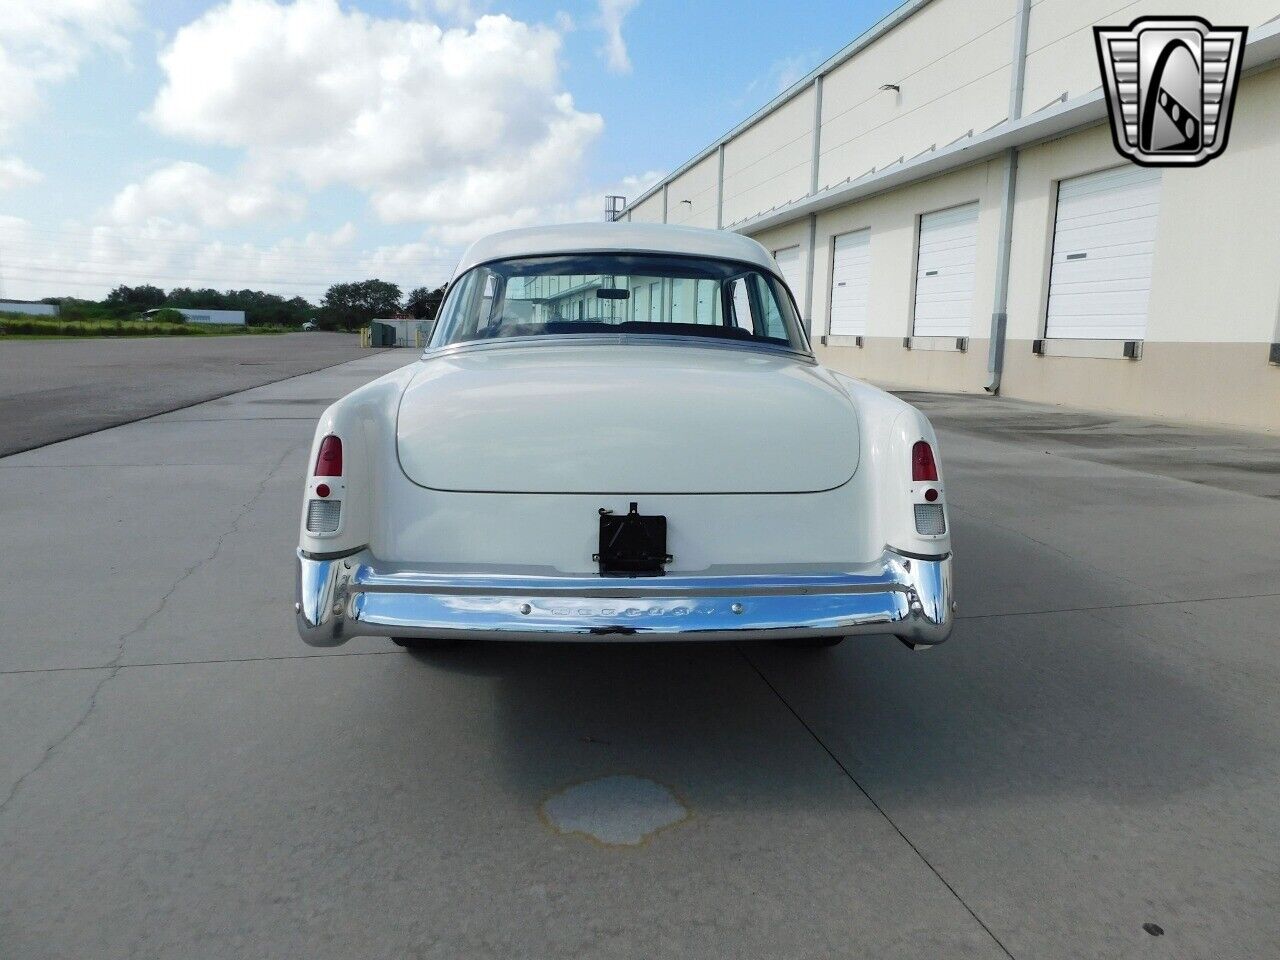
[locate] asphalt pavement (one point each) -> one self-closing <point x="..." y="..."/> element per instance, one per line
<point x="1096" y="749"/>
<point x="55" y="389"/>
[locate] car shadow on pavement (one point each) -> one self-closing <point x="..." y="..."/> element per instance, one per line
<point x="1011" y="707"/>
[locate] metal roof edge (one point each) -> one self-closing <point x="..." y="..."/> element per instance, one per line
<point x="1261" y="51"/>
<point x="1057" y="119"/>
<point x="864" y="39"/>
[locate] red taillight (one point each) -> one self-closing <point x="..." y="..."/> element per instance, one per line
<point x="329" y="460"/>
<point x="923" y="466"/>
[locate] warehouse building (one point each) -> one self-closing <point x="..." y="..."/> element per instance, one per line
<point x="400" y="332"/>
<point x="945" y="200"/>
<point x="31" y="308"/>
<point x="233" y="318"/>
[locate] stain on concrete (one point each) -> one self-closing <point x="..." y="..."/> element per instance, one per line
<point x="617" y="811"/>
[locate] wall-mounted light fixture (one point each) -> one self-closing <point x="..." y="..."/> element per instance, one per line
<point x="891" y="86"/>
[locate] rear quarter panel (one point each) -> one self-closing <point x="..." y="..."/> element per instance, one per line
<point x="401" y="521"/>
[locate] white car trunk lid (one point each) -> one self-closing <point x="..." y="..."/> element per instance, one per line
<point x="633" y="419"/>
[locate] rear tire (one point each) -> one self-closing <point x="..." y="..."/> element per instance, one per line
<point x="418" y="643"/>
<point x="810" y="643"/>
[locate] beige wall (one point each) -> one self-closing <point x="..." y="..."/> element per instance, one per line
<point x="650" y="211"/>
<point x="1215" y="284"/>
<point x="942" y="98"/>
<point x="1217" y="267"/>
<point x="1224" y="384"/>
<point x="952" y="62"/>
<point x="1215" y="303"/>
<point x="1216" y="270"/>
<point x="699" y="186"/>
<point x="885" y="362"/>
<point x="894" y="219"/>
<point x="1060" y="49"/>
<point x="1215" y="293"/>
<point x="769" y="163"/>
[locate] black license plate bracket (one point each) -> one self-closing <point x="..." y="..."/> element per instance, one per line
<point x="632" y="544"/>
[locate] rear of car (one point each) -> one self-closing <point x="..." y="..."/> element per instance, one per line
<point x="622" y="444"/>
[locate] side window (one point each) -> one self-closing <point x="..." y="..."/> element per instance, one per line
<point x="461" y="303"/>
<point x="771" y="324"/>
<point x="486" y="300"/>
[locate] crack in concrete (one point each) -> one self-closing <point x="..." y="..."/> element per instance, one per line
<point x="1116" y="606"/>
<point x="200" y="663"/>
<point x="844" y="768"/>
<point x="334" y="655"/>
<point x="113" y="666"/>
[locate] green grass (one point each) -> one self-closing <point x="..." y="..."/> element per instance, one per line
<point x="35" y="336"/>
<point x="14" y="325"/>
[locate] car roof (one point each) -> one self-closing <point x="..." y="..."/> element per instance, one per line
<point x="615" y="237"/>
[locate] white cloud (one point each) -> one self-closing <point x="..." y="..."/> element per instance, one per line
<point x="432" y="124"/>
<point x="44" y="42"/>
<point x="16" y="172"/>
<point x="456" y="11"/>
<point x="612" y="14"/>
<point x="790" y="70"/>
<point x="87" y="260"/>
<point x="588" y="205"/>
<point x="418" y="264"/>
<point x="492" y="188"/>
<point x="782" y="74"/>
<point x="194" y="193"/>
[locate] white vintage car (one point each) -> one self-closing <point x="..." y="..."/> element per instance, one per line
<point x="619" y="432"/>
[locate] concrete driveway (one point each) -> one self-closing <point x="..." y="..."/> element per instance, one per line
<point x="1097" y="748"/>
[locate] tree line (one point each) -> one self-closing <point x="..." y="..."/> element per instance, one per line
<point x="345" y="306"/>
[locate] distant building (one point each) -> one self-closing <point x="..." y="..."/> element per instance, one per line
<point x="195" y="315"/>
<point x="408" y="331"/>
<point x="29" y="307"/>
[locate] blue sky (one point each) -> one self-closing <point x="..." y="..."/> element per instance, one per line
<point x="290" y="145"/>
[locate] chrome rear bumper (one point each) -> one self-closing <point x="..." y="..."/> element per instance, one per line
<point x="358" y="595"/>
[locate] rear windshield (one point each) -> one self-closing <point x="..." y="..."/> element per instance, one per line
<point x="618" y="293"/>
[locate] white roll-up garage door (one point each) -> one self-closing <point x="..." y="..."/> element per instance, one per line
<point x="850" y="284"/>
<point x="945" y="272"/>
<point x="789" y="266"/>
<point x="1103" y="240"/>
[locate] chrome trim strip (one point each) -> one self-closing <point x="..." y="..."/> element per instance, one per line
<point x="361" y="596"/>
